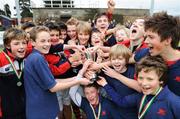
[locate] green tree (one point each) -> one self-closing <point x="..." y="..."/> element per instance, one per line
<point x="26" y="13"/>
<point x="25" y="8"/>
<point x="7" y="10"/>
<point x="2" y="12"/>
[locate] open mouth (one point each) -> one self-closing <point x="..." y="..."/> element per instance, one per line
<point x="134" y="31"/>
<point x="21" y="51"/>
<point x="150" y="47"/>
<point x="97" y="41"/>
<point x="146" y="89"/>
<point x="54" y="40"/>
<point x="117" y="66"/>
<point x="46" y="47"/>
<point x="102" y="27"/>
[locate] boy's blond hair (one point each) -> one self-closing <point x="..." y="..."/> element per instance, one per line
<point x="72" y="21"/>
<point x="13" y="34"/>
<point x="120" y="50"/>
<point x="36" y="30"/>
<point x="84" y="27"/>
<point x="119" y="27"/>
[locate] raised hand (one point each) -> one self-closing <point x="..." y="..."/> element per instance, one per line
<point x="84" y="81"/>
<point x="94" y="66"/>
<point x="75" y="59"/>
<point x="111" y="4"/>
<point x="101" y="81"/>
<point x="81" y="48"/>
<point x="110" y="72"/>
<point x="86" y="64"/>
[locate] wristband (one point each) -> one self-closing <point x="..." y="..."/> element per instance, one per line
<point x="78" y="77"/>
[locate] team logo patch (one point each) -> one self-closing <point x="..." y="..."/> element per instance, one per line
<point x="7" y="68"/>
<point x="103" y="113"/>
<point x="161" y="112"/>
<point x="178" y="79"/>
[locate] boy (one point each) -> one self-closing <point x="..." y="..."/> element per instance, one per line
<point x="72" y="30"/>
<point x="101" y="23"/>
<point x="162" y="31"/>
<point x="155" y="101"/>
<point x="63" y="32"/>
<point x="95" y="106"/>
<point x="119" y="58"/>
<point x="59" y="65"/>
<point x="121" y="33"/>
<point x="11" y="67"/>
<point x="136" y="37"/>
<point x="41" y="101"/>
<point x="27" y="27"/>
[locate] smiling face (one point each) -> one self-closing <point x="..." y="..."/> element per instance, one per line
<point x="83" y="38"/>
<point x="137" y="29"/>
<point x="42" y="42"/>
<point x="96" y="39"/>
<point x="63" y="34"/>
<point x="54" y="37"/>
<point x="155" y="45"/>
<point x="119" y="63"/>
<point x="18" y="48"/>
<point x="121" y="35"/>
<point x="71" y="31"/>
<point x="149" y="81"/>
<point x="102" y="23"/>
<point x="92" y="95"/>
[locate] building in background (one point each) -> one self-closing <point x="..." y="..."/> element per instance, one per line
<point x="58" y="3"/>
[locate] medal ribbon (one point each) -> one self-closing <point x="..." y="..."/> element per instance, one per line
<point x="141" y="112"/>
<point x="99" y="111"/>
<point x="14" y="68"/>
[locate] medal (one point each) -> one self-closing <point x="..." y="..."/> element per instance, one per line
<point x="99" y="111"/>
<point x="142" y="111"/>
<point x="19" y="83"/>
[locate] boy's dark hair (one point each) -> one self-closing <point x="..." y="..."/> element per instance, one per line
<point x="94" y="84"/>
<point x="166" y="26"/>
<point x="156" y="63"/>
<point x="95" y="30"/>
<point x="36" y="30"/>
<point x="62" y="26"/>
<point x="13" y="34"/>
<point x="98" y="15"/>
<point x="52" y="26"/>
<point x="27" y="25"/>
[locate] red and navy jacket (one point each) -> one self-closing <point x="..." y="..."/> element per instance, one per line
<point x="12" y="100"/>
<point x="127" y="44"/>
<point x="57" y="65"/>
<point x="174" y="76"/>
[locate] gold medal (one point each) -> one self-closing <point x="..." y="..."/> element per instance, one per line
<point x="19" y="83"/>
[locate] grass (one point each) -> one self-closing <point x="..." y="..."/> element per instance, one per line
<point x="1" y="49"/>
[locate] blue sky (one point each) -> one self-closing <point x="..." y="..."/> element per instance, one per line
<point x="171" y="6"/>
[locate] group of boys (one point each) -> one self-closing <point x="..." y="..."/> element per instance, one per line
<point x="29" y="63"/>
